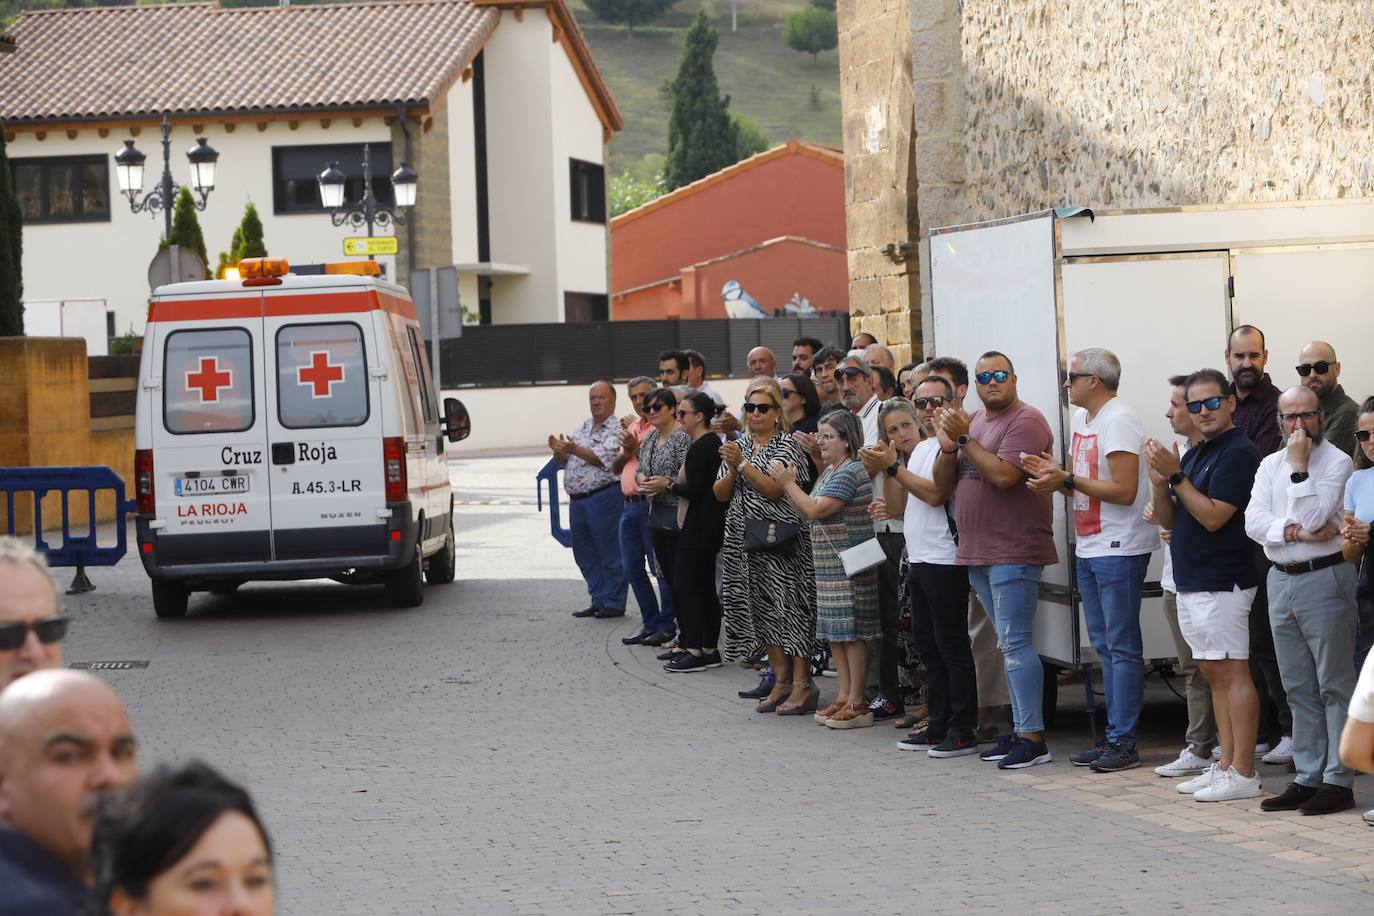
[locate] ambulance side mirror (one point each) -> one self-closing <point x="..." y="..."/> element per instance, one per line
<point x="457" y="424"/>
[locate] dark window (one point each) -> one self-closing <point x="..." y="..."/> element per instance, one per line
<point x="588" y="191"/>
<point x="421" y="356"/>
<point x="62" y="189"/>
<point x="296" y="171"/>
<point x="586" y="307"/>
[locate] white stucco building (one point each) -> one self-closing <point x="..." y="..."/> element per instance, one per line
<point x="496" y="104"/>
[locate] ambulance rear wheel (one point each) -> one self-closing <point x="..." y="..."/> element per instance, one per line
<point x="169" y="599"/>
<point x="443" y="564"/>
<point x="407" y="584"/>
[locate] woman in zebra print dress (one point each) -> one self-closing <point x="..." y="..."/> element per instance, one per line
<point x="769" y="598"/>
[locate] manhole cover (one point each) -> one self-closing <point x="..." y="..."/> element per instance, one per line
<point x="110" y="665"/>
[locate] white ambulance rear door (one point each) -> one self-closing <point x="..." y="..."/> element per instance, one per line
<point x="324" y="422"/>
<point x="208" y="423"/>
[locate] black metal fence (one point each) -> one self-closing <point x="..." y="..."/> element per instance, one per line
<point x="496" y="355"/>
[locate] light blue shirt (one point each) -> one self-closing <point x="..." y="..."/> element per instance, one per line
<point x="1359" y="494"/>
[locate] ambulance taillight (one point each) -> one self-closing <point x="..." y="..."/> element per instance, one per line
<point x="143" y="481"/>
<point x="394" y="459"/>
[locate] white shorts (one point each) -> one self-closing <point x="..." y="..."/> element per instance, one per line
<point x="1216" y="625"/>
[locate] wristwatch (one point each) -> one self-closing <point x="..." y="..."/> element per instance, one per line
<point x="962" y="441"/>
<point x="1298" y="476"/>
<point x="891" y="469"/>
<point x="1176" y="478"/>
<point x="1068" y="482"/>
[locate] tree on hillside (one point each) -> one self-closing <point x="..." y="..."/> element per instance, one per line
<point x="186" y="228"/>
<point x="811" y="31"/>
<point x="11" y="251"/>
<point x="246" y="242"/>
<point x="702" y="138"/>
<point x="749" y="137"/>
<point x="629" y="13"/>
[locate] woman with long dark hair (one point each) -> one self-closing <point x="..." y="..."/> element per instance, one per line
<point x="660" y="458"/>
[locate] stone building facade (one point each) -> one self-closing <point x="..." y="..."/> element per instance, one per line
<point x="1020" y="105"/>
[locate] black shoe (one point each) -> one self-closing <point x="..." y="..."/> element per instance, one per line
<point x="670" y="654"/>
<point x="1118" y="757"/>
<point x="1086" y="758"/>
<point x="636" y="639"/>
<point x="592" y="611"/>
<point x="1328" y="800"/>
<point x="764" y="688"/>
<point x="605" y="613"/>
<point x="883" y="708"/>
<point x="657" y="639"/>
<point x="987" y="735"/>
<point x="684" y="663"/>
<point x="710" y="659"/>
<point x="1291" y="799"/>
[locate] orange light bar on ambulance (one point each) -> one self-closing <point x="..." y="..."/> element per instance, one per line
<point x="356" y="268"/>
<point x="257" y="268"/>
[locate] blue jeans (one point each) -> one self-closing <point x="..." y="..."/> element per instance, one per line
<point x="635" y="547"/>
<point x="1008" y="592"/>
<point x="1111" y="587"/>
<point x="596" y="546"/>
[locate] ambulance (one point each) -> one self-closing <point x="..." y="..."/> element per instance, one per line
<point x="287" y="427"/>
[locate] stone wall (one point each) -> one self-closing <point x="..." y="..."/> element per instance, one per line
<point x="431" y="217"/>
<point x="1021" y="105"/>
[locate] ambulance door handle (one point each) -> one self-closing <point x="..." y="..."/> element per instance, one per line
<point x="283" y="453"/>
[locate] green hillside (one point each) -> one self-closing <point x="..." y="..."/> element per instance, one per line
<point x="766" y="80"/>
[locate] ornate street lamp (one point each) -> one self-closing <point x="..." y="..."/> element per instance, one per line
<point x="129" y="163"/>
<point x="367" y="212"/>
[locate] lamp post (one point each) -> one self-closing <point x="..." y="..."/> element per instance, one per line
<point x="129" y="170"/>
<point x="367" y="211"/>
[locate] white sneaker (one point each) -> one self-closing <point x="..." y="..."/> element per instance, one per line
<point x="1262" y="748"/>
<point x="1216" y="752"/>
<point x="1229" y="787"/>
<point x="1197" y="783"/>
<point x="1281" y="754"/>
<point x="1369" y="817"/>
<point x="1187" y="764"/>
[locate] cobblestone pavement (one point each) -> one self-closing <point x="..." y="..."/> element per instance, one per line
<point x="486" y="752"/>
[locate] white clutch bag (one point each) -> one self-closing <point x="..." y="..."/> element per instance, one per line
<point x="863" y="557"/>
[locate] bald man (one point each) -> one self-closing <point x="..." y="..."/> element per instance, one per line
<point x="65" y="739"/>
<point x="31" y="628"/>
<point x="1320" y="371"/>
<point x="762" y="363"/>
<point x="596" y="502"/>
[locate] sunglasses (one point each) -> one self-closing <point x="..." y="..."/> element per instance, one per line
<point x="48" y="630"/>
<point x="999" y="376"/>
<point x="684" y="414"/>
<point x="655" y="408"/>
<point x="1301" y="415"/>
<point x="1362" y="435"/>
<point x="1321" y="366"/>
<point x="1075" y="376"/>
<point x="760" y="408"/>
<point x="789" y="393"/>
<point x="1212" y="403"/>
<point x="850" y="372"/>
<point x="923" y="403"/>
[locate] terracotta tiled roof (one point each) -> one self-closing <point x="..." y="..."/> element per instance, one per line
<point x="131" y="61"/>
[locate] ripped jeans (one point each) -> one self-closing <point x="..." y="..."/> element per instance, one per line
<point x="1009" y="592"/>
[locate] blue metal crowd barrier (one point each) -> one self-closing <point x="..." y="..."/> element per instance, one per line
<point x="548" y="477"/>
<point x="77" y="549"/>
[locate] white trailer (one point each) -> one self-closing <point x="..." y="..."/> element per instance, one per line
<point x="1161" y="289"/>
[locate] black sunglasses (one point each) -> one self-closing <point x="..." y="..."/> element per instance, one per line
<point x="1362" y="435"/>
<point x="850" y="372"/>
<point x="751" y="408"/>
<point x="789" y="393"/>
<point x="1212" y="403"/>
<point x="936" y="401"/>
<point x="1321" y="365"/>
<point x="655" y="407"/>
<point x="1000" y="376"/>
<point x="48" y="630"/>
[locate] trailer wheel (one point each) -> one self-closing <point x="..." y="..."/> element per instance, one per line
<point x="406" y="585"/>
<point x="169" y="599"/>
<point x="443" y="564"/>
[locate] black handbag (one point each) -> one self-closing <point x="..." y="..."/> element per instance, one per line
<point x="763" y="535"/>
<point x="662" y="516"/>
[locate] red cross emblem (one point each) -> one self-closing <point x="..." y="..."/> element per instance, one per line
<point x="209" y="379"/>
<point x="321" y="374"/>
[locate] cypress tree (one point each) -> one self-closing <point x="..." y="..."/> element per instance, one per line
<point x="11" y="251"/>
<point x="186" y="228"/>
<point x="701" y="136"/>
<point x="246" y="242"/>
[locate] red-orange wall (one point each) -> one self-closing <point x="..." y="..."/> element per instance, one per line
<point x="793" y="194"/>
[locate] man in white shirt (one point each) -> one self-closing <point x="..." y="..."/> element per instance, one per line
<point x="937" y="587"/>
<point x="1108" y="493"/>
<point x="1295" y="514"/>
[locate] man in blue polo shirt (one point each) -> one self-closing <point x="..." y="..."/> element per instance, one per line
<point x="1203" y="499"/>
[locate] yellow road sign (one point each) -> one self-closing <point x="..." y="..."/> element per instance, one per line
<point x="382" y="244"/>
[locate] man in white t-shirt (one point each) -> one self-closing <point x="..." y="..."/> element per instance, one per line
<point x="1108" y="493"/>
<point x="938" y="589"/>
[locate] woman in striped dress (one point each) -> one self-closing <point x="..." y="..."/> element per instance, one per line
<point x="769" y="598"/>
<point x="846" y="608"/>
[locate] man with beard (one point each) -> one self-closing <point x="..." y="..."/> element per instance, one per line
<point x="1256" y="413"/>
<point x="804" y="350"/>
<point x="1295" y="513"/>
<point x="65" y="740"/>
<point x="1321" y="371"/>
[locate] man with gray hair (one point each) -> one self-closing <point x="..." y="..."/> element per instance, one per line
<point x="1108" y="493"/>
<point x="879" y="355"/>
<point x="31" y="625"/>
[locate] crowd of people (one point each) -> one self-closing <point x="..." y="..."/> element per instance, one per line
<point x="81" y="832"/>
<point x="852" y="518"/>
